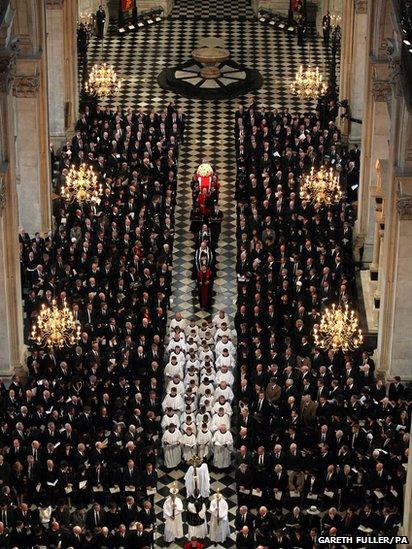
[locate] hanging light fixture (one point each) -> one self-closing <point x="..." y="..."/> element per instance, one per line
<point x="87" y="19"/>
<point x="308" y="83"/>
<point x="335" y="20"/>
<point x="81" y="185"/>
<point x="55" y="327"/>
<point x="103" y="81"/>
<point x="321" y="187"/>
<point x="338" y="329"/>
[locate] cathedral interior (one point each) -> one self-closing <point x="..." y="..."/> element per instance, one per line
<point x="206" y="273"/>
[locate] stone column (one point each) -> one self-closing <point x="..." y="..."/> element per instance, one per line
<point x="11" y="321"/>
<point x="376" y="148"/>
<point x="398" y="353"/>
<point x="32" y="148"/>
<point x="31" y="112"/>
<point x="61" y="18"/>
<point x="357" y="73"/>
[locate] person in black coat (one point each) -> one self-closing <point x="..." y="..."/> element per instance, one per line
<point x="245" y="539"/>
<point x="244" y="518"/>
<point x="100" y="21"/>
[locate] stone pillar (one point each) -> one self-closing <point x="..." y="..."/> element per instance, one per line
<point x="399" y="351"/>
<point x="61" y="18"/>
<point x="367" y="132"/>
<point x="357" y="73"/>
<point x="32" y="131"/>
<point x="33" y="149"/>
<point x="11" y="320"/>
<point x="376" y="148"/>
<point x="346" y="52"/>
<point x="407" y="497"/>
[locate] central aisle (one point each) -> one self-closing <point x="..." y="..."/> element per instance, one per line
<point x="138" y="58"/>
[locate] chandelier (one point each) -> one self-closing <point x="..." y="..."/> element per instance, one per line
<point x="86" y="18"/>
<point x="103" y="81"/>
<point x="335" y="20"/>
<point x="55" y="327"/>
<point x="308" y="83"/>
<point x="81" y="185"/>
<point x="321" y="187"/>
<point x="338" y="329"/>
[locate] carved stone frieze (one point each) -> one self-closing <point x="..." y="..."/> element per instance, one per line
<point x="8" y="66"/>
<point x="26" y="85"/>
<point x="381" y="90"/>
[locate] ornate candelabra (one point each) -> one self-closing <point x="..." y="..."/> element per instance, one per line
<point x="338" y="329"/>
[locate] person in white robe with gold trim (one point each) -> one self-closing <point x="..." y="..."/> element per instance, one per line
<point x="219" y="522"/>
<point x="172" y="514"/>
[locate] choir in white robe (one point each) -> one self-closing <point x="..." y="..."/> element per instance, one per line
<point x="222" y="448"/>
<point x="171" y="448"/>
<point x="174" y="402"/>
<point x="204" y="444"/>
<point x="172" y="513"/>
<point x="188" y="445"/>
<point x="219" y="523"/>
<point x="217" y="421"/>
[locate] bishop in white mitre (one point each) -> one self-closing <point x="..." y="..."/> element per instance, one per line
<point x="172" y="513"/>
<point x="219" y="522"/>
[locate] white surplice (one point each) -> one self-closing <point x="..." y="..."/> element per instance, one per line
<point x="222" y="448"/>
<point x="219" y="523"/>
<point x="172" y="513"/>
<point x="171" y="448"/>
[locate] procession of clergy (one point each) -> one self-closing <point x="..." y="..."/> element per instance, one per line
<point x="197" y="410"/>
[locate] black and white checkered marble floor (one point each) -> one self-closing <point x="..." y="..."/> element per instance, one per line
<point x="138" y="57"/>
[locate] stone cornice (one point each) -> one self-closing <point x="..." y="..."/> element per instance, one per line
<point x="8" y="57"/>
<point x="26" y="85"/>
<point x="54" y="4"/>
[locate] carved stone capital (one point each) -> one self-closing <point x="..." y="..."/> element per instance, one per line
<point x="26" y="85"/>
<point x="381" y="90"/>
<point x="360" y="6"/>
<point x="404" y="207"/>
<point x="404" y="198"/>
<point x="8" y="66"/>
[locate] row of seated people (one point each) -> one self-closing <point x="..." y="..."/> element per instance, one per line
<point x="84" y="427"/>
<point x="317" y="427"/>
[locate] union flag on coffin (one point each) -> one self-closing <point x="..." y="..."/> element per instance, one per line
<point x="127" y="5"/>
